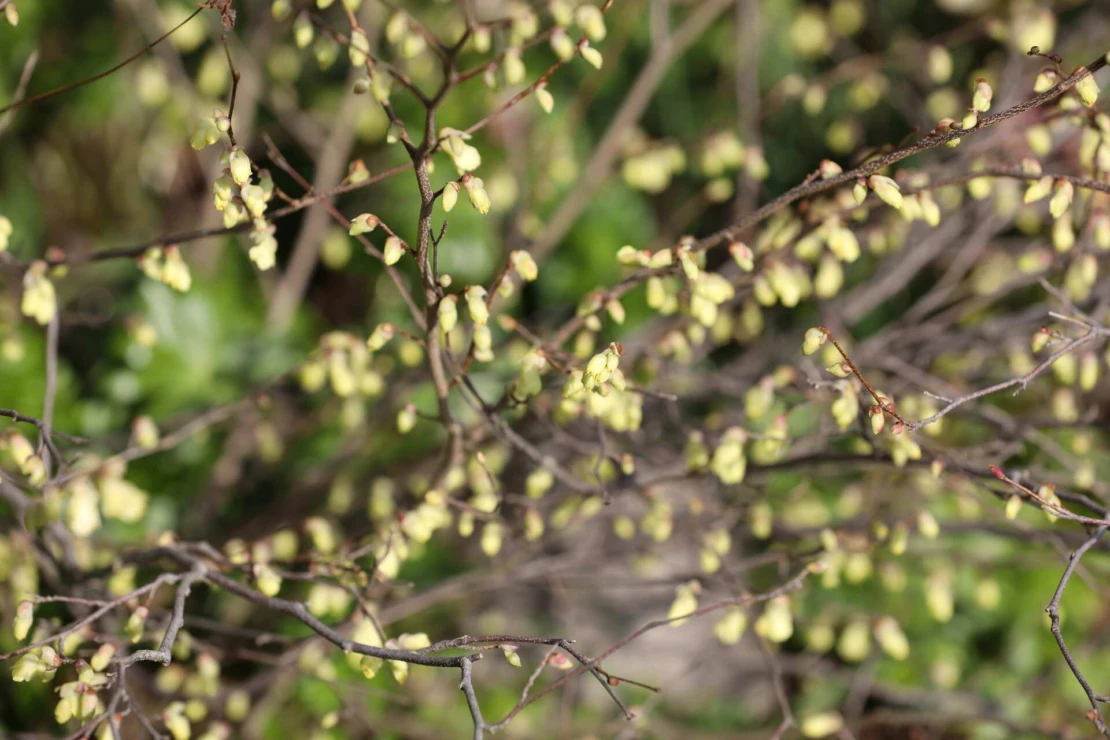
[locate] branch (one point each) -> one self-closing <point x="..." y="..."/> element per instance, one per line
<point x="21" y="88"/>
<point x="165" y="651"/>
<point x="41" y="425"/>
<point x="932" y="141"/>
<point x="74" y="85"/>
<point x="789" y="586"/>
<point x="1053" y="610"/>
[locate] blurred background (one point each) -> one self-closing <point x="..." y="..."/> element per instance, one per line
<point x="701" y="111"/>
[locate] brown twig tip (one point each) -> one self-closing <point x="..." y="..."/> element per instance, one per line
<point x="998" y="473"/>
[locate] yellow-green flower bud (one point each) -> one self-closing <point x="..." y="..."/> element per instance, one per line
<point x="267" y="579"/>
<point x="938" y="596"/>
<point x="1045" y="81"/>
<point x="39" y="300"/>
<point x="102" y="657"/>
<point x="821" y="724"/>
<point x="1038" y="189"/>
<point x="776" y="623"/>
<point x="24" y="619"/>
<point x="562" y="44"/>
<point x="513" y="67"/>
<point x="815" y="338"/>
<point x="135" y="622"/>
<point x="939" y="64"/>
<point x="729" y="462"/>
<point x="491" y="538"/>
<point x="206" y="134"/>
<point x="545" y="99"/>
<point x="479" y="198"/>
<point x="927" y="525"/>
<point x="982" y="96"/>
<point x="591" y="55"/>
<point x="854" y="644"/>
<point x="887" y="190"/>
<point x="448" y="313"/>
<point x="240" y="166"/>
<point x="1061" y="198"/>
<point x="175" y="273"/>
<point x="406" y="419"/>
<point x="730" y="628"/>
<point x="359" y="47"/>
<point x="1087" y="88"/>
<point x="524" y="265"/>
<point x="685" y="601"/>
<point x="590" y="19"/>
<point x="859" y="191"/>
<point x="363" y="223"/>
<point x="476" y="304"/>
<point x="450" y="196"/>
<point x="393" y="250"/>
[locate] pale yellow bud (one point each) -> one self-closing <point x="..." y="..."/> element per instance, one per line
<point x="815" y="338"/>
<point x="1087" y="88"/>
<point x="591" y="55"/>
<point x="891" y="638"/>
<point x="545" y="99"/>
<point x="887" y="190"/>
<point x="730" y="628"/>
<point x="1061" y="198"/>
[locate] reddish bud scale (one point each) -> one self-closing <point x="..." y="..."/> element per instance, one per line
<point x="998" y="472"/>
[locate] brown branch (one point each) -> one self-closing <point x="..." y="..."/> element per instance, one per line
<point x="163" y="579"/>
<point x="21" y="88"/>
<point x="165" y="651"/>
<point x="931" y="141"/>
<point x="74" y="85"/>
<point x="41" y="425"/>
<point x="633" y="107"/>
<point x="1022" y="382"/>
<point x="1053" y="610"/>
<point x="789" y="586"/>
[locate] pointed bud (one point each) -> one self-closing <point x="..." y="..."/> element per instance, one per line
<point x="1086" y="87"/>
<point x="476" y="304"/>
<point x="887" y="190"/>
<point x="394" y="248"/>
<point x="448" y="314"/>
<point x="730" y="628"/>
<point x="545" y="99"/>
<point x="24" y="619"/>
<point x="364" y="223"/>
<point x="829" y="168"/>
<point x="450" y="196"/>
<point x="406" y="419"/>
<point x="743" y="255"/>
<point x="591" y="55"/>
<point x="859" y="191"/>
<point x="240" y="165"/>
<point x="815" y="338"/>
<point x="1041" y="339"/>
<point x="982" y="96"/>
<point x="1045" y="81"/>
<point x="1061" y="198"/>
<point x="878" y="418"/>
<point x="524" y="265"/>
<point x="1038" y="189"/>
<point x="479" y="198"/>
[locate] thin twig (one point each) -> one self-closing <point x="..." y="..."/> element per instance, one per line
<point x="74" y="85"/>
<point x="1053" y="610"/>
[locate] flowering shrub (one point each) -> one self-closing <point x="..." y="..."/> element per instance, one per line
<point x="339" y="441"/>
